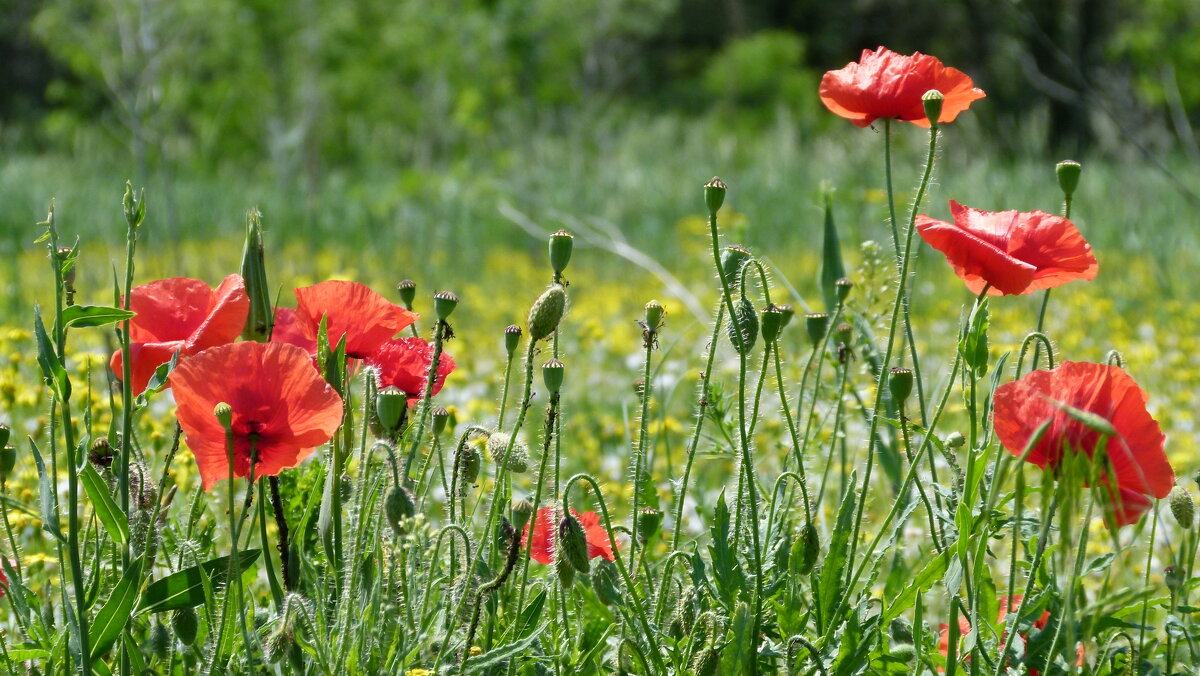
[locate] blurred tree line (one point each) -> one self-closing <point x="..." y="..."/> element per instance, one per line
<point x="312" y="84"/>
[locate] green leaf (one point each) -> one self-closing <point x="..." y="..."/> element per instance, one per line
<point x="726" y="569"/>
<point x="115" y="521"/>
<point x="50" y="522"/>
<point x="832" y="267"/>
<point x="52" y="368"/>
<point x="115" y="614"/>
<point x="738" y="656"/>
<point x="500" y="655"/>
<point x="920" y="584"/>
<point x="974" y="343"/>
<point x="158" y="381"/>
<point x="185" y="588"/>
<point x="83" y="316"/>
<point x="832" y="571"/>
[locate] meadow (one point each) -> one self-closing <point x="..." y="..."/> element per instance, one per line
<point x="698" y="592"/>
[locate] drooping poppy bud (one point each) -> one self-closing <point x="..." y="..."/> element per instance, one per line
<point x="566" y="572"/>
<point x="1182" y="507"/>
<point x="553" y="372"/>
<point x="512" y="338"/>
<point x="185" y="623"/>
<point x="810" y="548"/>
<point x="745" y="322"/>
<point x="606" y="583"/>
<point x="277" y="646"/>
<point x="518" y="458"/>
<point x="408" y="293"/>
<point x="547" y="312"/>
<point x="160" y="639"/>
<point x="816" y="324"/>
<point x="706" y="661"/>
<point x="399" y="507"/>
<point x="932" y="101"/>
<point x="900" y="384"/>
<point x="572" y="543"/>
<point x="469" y="463"/>
<point x="561" y="245"/>
<point x="714" y="194"/>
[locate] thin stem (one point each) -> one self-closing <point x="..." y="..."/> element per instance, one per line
<point x="640" y="450"/>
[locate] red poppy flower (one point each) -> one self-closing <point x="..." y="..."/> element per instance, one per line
<point x="280" y="404"/>
<point x="884" y="84"/>
<point x="546" y="527"/>
<point x="288" y="330"/>
<point x="404" y="363"/>
<point x="1135" y="455"/>
<point x="1015" y="252"/>
<point x="3" y="582"/>
<point x="366" y="318"/>
<point x="180" y="315"/>
<point x="964" y="627"/>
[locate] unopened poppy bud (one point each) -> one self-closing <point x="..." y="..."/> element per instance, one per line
<point x="772" y="323"/>
<point x="277" y="646"/>
<point x="606" y="583"/>
<point x="566" y="572"/>
<point x="714" y="194"/>
<point x="955" y="440"/>
<point x="900" y="384"/>
<point x="903" y="652"/>
<point x="1068" y="172"/>
<point x="185" y="623"/>
<point x="842" y="286"/>
<point x="518" y="458"/>
<point x="816" y="323"/>
<point x="932" y="101"/>
<point x="553" y="372"/>
<point x="572" y="543"/>
<point x="8" y="461"/>
<point x="561" y="245"/>
<point x="408" y="292"/>
<point x="444" y="303"/>
<point x="468" y="465"/>
<point x="512" y="338"/>
<point x="101" y="453"/>
<point x="261" y="317"/>
<point x="649" y="521"/>
<point x="547" y="312"/>
<point x="440" y="417"/>
<point x="521" y="511"/>
<point x="391" y="405"/>
<point x="399" y="507"/>
<point x="160" y="639"/>
<point x="706" y="661"/>
<point x="1182" y="507"/>
<point x="788" y="312"/>
<point x="224" y="414"/>
<point x="654" y="315"/>
<point x="843" y="333"/>
<point x="810" y="548"/>
<point x="732" y="260"/>
<point x="744" y="321"/>
<point x="1172" y="578"/>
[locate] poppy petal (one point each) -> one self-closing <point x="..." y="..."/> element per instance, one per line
<point x="353" y="310"/>
<point x="226" y="316"/>
<point x="144" y="358"/>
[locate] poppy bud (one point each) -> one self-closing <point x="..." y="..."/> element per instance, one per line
<point x="261" y="317"/>
<point x="521" y="511"/>
<point x="605" y="582"/>
<point x="5" y="434"/>
<point x="810" y="548"/>
<point x="8" y="460"/>
<point x="706" y="661"/>
<point x="932" y="100"/>
<point x="440" y="417"/>
<point x="277" y="646"/>
<point x="649" y="521"/>
<point x="512" y="338"/>
<point x="685" y="610"/>
<point x="900" y="384"/>
<point x="408" y="292"/>
<point x="816" y="323"/>
<point x="444" y="303"/>
<point x="1182" y="506"/>
<point x="732" y="260"/>
<point x="900" y="631"/>
<point x="572" y="543"/>
<point x="135" y="206"/>
<point x="468" y="465"/>
<point x="391" y="407"/>
<point x="772" y="323"/>
<point x="346" y="487"/>
<point x="903" y="652"/>
<point x="714" y="195"/>
<point x="399" y="507"/>
<point x="185" y="623"/>
<point x="160" y="639"/>
<point x="224" y="413"/>
<point x="561" y="245"/>
<point x="1068" y="172"/>
<point x="654" y="315"/>
<point x="552" y="373"/>
<point x="843" y="333"/>
<point x="842" y="286"/>
<point x="547" y="312"/>
<point x="101" y="453"/>
<point x="497" y="446"/>
<point x="744" y="320"/>
<point x="566" y="572"/>
<point x="955" y="440"/>
<point x="1172" y="578"/>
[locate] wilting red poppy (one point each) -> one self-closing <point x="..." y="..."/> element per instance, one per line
<point x="964" y="626"/>
<point x="180" y="315"/>
<point x="404" y="363"/>
<point x="1135" y="455"/>
<point x="884" y="84"/>
<point x="366" y="318"/>
<point x="545" y="527"/>
<point x="280" y="404"/>
<point x="1015" y="252"/>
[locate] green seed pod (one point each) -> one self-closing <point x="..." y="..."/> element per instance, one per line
<point x="733" y="259"/>
<point x="706" y="661"/>
<point x="714" y="194"/>
<point x="1182" y="507"/>
<point x="561" y="245"/>
<point x="1068" y="172"/>
<point x="772" y="323"/>
<point x="160" y="639"/>
<point x="654" y="315"/>
<point x="605" y="582"/>
<point x="441" y="416"/>
<point x="468" y="465"/>
<point x="547" y="312"/>
<point x="399" y="507"/>
<point x="5" y="434"/>
<point x="649" y="521"/>
<point x="391" y="407"/>
<point x="900" y="384"/>
<point x="816" y="324"/>
<point x="553" y="372"/>
<point x="572" y="543"/>
<point x="408" y="292"/>
<point x="811" y="548"/>
<point x="224" y="414"/>
<point x="185" y="623"/>
<point x="512" y="338"/>
<point x="522" y="510"/>
<point x="8" y="460"/>
<point x="932" y="101"/>
<point x="843" y="333"/>
<point x="788" y="313"/>
<point x="842" y="287"/>
<point x="747" y="322"/>
<point x="444" y="303"/>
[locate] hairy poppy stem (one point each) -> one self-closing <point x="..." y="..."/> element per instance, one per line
<point x="639" y="451"/>
<point x="285" y="561"/>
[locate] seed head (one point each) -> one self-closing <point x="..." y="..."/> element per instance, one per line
<point x="714" y="195"/>
<point x="772" y="323"/>
<point x="441" y="416"/>
<point x="408" y="292"/>
<point x="444" y="303"/>
<point x="101" y="453"/>
<point x="553" y="372"/>
<point x="842" y="286"/>
<point x="224" y="413"/>
<point x="932" y="100"/>
<point x="900" y="384"/>
<point x="649" y="521"/>
<point x="654" y="315"/>
<point x="1068" y="172"/>
<point x="391" y="407"/>
<point x="733" y="258"/>
<point x="816" y="323"/>
<point x="522" y="510"/>
<point x="561" y="245"/>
